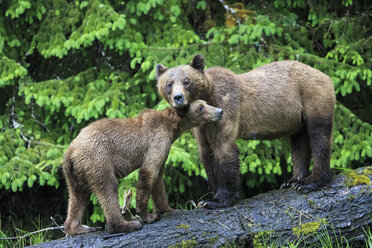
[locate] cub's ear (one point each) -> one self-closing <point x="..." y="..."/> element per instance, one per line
<point x="160" y="69"/>
<point x="198" y="62"/>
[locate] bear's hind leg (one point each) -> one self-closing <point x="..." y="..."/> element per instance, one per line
<point x="76" y="206"/>
<point x="106" y="189"/>
<point x="301" y="154"/>
<point x="320" y="134"/>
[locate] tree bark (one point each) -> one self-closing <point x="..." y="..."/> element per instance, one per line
<point x="341" y="209"/>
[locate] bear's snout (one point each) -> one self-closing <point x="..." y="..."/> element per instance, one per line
<point x="219" y="113"/>
<point x="178" y="99"/>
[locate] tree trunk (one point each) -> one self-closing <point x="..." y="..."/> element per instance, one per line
<point x="341" y="209"/>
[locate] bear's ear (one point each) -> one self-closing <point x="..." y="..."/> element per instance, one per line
<point x="198" y="62"/>
<point x="160" y="69"/>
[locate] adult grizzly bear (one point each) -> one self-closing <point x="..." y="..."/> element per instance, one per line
<point x="285" y="98"/>
<point x="112" y="148"/>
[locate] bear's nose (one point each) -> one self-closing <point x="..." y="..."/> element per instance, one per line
<point x="178" y="98"/>
<point x="219" y="112"/>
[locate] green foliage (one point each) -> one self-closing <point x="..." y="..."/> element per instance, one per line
<point x="66" y="64"/>
<point x="96" y="18"/>
<point x="25" y="238"/>
<point x="312" y="234"/>
<point x="10" y="70"/>
<point x="352" y="139"/>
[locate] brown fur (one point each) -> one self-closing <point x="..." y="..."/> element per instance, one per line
<point x="285" y="98"/>
<point x="112" y="148"/>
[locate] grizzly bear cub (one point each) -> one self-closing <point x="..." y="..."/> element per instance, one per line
<point x="112" y="148"/>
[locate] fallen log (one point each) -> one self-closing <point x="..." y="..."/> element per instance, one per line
<point x="341" y="209"/>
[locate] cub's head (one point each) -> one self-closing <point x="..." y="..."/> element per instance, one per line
<point x="183" y="84"/>
<point x="201" y="113"/>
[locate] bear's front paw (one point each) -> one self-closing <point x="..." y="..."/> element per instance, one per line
<point x="123" y="226"/>
<point x="82" y="229"/>
<point x="311" y="183"/>
<point x="202" y="204"/>
<point x="300" y="186"/>
<point x="286" y="185"/>
<point x="212" y="204"/>
<point x="165" y="210"/>
<point x="134" y="225"/>
<point x="150" y="218"/>
<point x="294" y="180"/>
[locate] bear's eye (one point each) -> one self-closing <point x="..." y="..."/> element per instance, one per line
<point x="201" y="108"/>
<point x="169" y="86"/>
<point x="186" y="83"/>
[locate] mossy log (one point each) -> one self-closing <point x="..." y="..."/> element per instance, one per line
<point x="342" y="208"/>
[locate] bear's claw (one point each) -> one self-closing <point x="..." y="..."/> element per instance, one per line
<point x="304" y="187"/>
<point x="300" y="185"/>
<point x="286" y="185"/>
<point x="202" y="204"/>
<point x="214" y="203"/>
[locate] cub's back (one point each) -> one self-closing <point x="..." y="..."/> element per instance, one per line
<point x="108" y="132"/>
<point x="121" y="142"/>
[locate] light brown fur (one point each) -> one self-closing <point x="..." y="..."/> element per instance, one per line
<point x="112" y="148"/>
<point x="285" y="98"/>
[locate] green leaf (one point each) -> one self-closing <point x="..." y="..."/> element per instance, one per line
<point x="14" y="185"/>
<point x="175" y="9"/>
<point x="201" y="5"/>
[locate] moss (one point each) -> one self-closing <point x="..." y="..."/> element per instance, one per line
<point x="185" y="244"/>
<point x="183" y="226"/>
<point x="309" y="227"/>
<point x="351" y="197"/>
<point x="228" y="245"/>
<point x="361" y="180"/>
<point x="353" y="178"/>
<point x="213" y="240"/>
<point x="312" y="203"/>
<point x="368" y="171"/>
<point x="258" y="240"/>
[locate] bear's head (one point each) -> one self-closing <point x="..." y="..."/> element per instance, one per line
<point x="200" y="113"/>
<point x="183" y="84"/>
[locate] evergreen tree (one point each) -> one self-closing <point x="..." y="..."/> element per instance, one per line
<point x="64" y="64"/>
